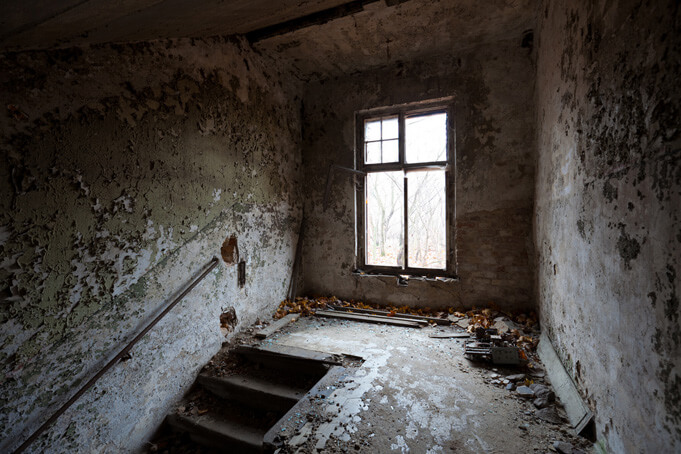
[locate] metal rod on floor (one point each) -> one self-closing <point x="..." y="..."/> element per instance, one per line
<point x="211" y="265"/>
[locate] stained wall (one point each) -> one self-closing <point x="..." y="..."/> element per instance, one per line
<point x="124" y="168"/>
<point x="607" y="217"/>
<point x="492" y="87"/>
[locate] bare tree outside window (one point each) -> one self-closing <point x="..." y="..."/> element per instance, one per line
<point x="426" y="219"/>
<point x="405" y="212"/>
<point x="385" y="218"/>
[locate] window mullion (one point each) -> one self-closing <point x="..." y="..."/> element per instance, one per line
<point x="400" y="136"/>
<point x="381" y="136"/>
<point x="406" y="227"/>
<point x="401" y="147"/>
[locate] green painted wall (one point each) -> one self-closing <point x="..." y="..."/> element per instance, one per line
<point x="123" y="169"/>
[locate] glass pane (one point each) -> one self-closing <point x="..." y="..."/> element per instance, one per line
<point x="426" y="138"/>
<point x="391" y="151"/>
<point x="385" y="218"/>
<point x="372" y="130"/>
<point x="373" y="153"/>
<point x="426" y="219"/>
<point x="390" y="128"/>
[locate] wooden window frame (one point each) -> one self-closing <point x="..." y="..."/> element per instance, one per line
<point x="447" y="106"/>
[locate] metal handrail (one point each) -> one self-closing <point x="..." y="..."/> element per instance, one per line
<point x="123" y="353"/>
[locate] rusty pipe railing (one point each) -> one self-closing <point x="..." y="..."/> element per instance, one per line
<point x="123" y="353"/>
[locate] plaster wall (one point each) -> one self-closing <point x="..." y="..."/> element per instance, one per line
<point x="493" y="87"/>
<point x="607" y="218"/>
<point x="124" y="168"/>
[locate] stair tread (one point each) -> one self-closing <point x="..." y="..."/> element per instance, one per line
<point x="284" y="352"/>
<point x="223" y="428"/>
<point x="255" y="384"/>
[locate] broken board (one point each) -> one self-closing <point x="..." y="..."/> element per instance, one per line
<point x="578" y="413"/>
<point x="276" y="326"/>
<point x="451" y="335"/>
<point x="439" y="321"/>
<point x="371" y="318"/>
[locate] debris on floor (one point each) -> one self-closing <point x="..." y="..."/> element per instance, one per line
<point x="274" y="327"/>
<point x="450" y="334"/>
<point x="507" y="338"/>
<point x="490" y="346"/>
<point x="413" y="391"/>
<point x="418" y="394"/>
<point x="372" y="318"/>
<point x="392" y="313"/>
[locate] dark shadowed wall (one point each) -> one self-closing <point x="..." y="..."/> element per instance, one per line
<point x="493" y="90"/>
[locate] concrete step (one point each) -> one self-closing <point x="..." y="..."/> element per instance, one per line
<point x="240" y="409"/>
<point x="226" y="435"/>
<point x="253" y="391"/>
<point x="299" y="362"/>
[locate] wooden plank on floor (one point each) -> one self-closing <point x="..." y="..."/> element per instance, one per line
<point x="371" y="318"/>
<point x="276" y="326"/>
<point x="578" y="412"/>
<point x="439" y="321"/>
<point x="452" y="335"/>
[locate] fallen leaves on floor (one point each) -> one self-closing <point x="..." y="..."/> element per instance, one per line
<point x="520" y="327"/>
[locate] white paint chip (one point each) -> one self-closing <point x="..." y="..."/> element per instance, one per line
<point x="401" y="445"/>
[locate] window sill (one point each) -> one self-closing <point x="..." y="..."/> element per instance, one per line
<point x="404" y="278"/>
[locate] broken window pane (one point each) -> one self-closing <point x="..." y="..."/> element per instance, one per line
<point x="426" y="138"/>
<point x="426" y="211"/>
<point x="384" y="218"/>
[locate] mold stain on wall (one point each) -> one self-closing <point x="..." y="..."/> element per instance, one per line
<point x="608" y="198"/>
<point x="124" y="168"/>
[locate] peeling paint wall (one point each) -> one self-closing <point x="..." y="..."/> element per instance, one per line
<point x="607" y="222"/>
<point x="493" y="88"/>
<point x="124" y="168"/>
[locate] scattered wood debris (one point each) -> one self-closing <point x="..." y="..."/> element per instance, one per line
<point x="449" y="335"/>
<point x="372" y="318"/>
<point x="276" y="326"/>
<point x="437" y="321"/>
<point x="519" y="330"/>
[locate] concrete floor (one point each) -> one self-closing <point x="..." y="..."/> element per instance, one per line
<point x="412" y="394"/>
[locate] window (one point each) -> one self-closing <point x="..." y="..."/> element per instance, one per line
<point x="403" y="207"/>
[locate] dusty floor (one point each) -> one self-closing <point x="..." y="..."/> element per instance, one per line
<point x="413" y="393"/>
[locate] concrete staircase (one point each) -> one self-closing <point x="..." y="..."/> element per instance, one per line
<point x="239" y="412"/>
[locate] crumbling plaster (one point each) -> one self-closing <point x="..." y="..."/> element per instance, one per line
<point x="607" y="218"/>
<point x="124" y="168"/>
<point x="493" y="88"/>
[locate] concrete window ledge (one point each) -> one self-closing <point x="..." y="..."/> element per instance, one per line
<point x="403" y="279"/>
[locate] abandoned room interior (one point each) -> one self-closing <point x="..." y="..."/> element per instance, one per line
<point x="372" y="226"/>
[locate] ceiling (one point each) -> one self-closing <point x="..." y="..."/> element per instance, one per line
<point x="29" y="24"/>
<point x="375" y="35"/>
<point x="381" y="35"/>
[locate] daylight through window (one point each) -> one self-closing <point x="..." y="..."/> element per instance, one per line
<point x="405" y="156"/>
